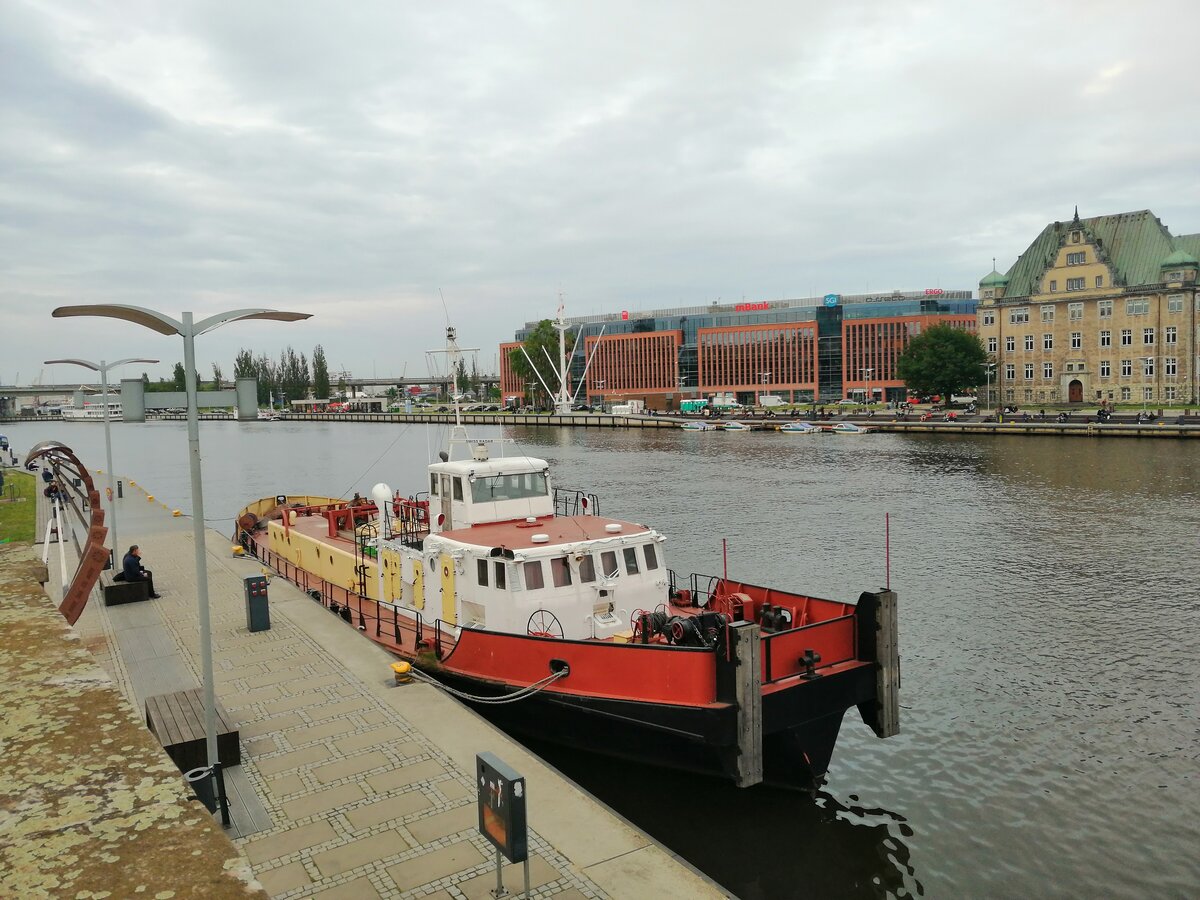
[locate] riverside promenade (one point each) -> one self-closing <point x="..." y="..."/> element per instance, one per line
<point x="351" y="786"/>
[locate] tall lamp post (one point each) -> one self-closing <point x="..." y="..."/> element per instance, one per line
<point x="188" y="330"/>
<point x="991" y="367"/>
<point x="1147" y="372"/>
<point x="866" y="374"/>
<point x="102" y="367"/>
<point x="763" y="378"/>
<point x="600" y="389"/>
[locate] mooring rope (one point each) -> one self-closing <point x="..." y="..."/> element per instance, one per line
<point x="520" y="694"/>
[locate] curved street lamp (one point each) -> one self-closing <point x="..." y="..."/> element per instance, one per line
<point x="102" y="367"/>
<point x="189" y="329"/>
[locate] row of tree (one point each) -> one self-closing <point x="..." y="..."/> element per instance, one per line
<point x="291" y="377"/>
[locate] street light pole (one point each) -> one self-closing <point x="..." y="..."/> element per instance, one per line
<point x="102" y="367"/>
<point x="188" y="329"/>
<point x="763" y="377"/>
<point x="991" y="367"/>
<point x="1146" y="361"/>
<point x="866" y="373"/>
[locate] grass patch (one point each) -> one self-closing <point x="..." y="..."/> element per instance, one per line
<point x="18" y="507"/>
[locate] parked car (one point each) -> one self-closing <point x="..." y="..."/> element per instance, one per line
<point x="849" y="402"/>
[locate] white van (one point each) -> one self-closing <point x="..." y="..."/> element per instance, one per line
<point x="770" y="400"/>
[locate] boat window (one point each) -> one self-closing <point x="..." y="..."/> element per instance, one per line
<point x="433" y="484"/>
<point x="457" y="488"/>
<point x="520" y="486"/>
<point x="651" y="557"/>
<point x="482" y="567"/>
<point x="533" y="575"/>
<point x="500" y="576"/>
<point x="608" y="564"/>
<point x="560" y="571"/>
<point x="631" y="563"/>
<point x="587" y="569"/>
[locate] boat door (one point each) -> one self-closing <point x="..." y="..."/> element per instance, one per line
<point x="449" y="616"/>
<point x="447" y="515"/>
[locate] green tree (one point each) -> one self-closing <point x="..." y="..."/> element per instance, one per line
<point x="542" y="347"/>
<point x="180" y="377"/>
<point x="320" y="373"/>
<point x="943" y="360"/>
<point x="217" y="377"/>
<point x="293" y="374"/>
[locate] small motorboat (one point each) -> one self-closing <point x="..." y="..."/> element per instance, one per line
<point x="849" y="428"/>
<point x="734" y="426"/>
<point x="698" y="426"/>
<point x="799" y="428"/>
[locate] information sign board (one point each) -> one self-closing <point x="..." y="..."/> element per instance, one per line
<point x="500" y="792"/>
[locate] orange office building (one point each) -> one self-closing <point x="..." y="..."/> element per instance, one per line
<point x="803" y="351"/>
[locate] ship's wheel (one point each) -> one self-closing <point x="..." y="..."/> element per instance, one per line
<point x="544" y="623"/>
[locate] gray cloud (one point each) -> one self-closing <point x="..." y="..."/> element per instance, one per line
<point x="352" y="160"/>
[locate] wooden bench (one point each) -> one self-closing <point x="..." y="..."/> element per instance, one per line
<point x="177" y="720"/>
<point x="118" y="592"/>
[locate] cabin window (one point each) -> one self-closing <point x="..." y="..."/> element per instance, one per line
<point x="608" y="564"/>
<point x="587" y="569"/>
<point x="651" y="557"/>
<point x="631" y="561"/>
<point x="520" y="486"/>
<point x="482" y="567"/>
<point x="501" y="581"/>
<point x="534" y="579"/>
<point x="458" y="495"/>
<point x="560" y="571"/>
<point x="433" y="479"/>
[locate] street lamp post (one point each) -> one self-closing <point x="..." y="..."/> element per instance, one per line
<point x="991" y="367"/>
<point x="102" y="367"/>
<point x="189" y="329"/>
<point x="600" y="389"/>
<point x="1146" y="361"/>
<point x="866" y="374"/>
<point x="763" y="378"/>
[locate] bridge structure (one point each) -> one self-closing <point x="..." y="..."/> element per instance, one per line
<point x="15" y="397"/>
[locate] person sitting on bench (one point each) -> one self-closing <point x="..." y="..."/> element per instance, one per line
<point x="133" y="570"/>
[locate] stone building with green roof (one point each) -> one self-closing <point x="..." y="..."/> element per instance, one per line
<point x="1104" y="309"/>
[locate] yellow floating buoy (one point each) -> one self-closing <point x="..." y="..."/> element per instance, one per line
<point x="176" y="513"/>
<point x="402" y="671"/>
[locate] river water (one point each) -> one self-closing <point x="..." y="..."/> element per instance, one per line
<point x="1050" y="636"/>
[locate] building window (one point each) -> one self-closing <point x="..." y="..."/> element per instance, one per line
<point x="1175" y="303"/>
<point x="1170" y="366"/>
<point x="1076" y="340"/>
<point x="1018" y="316"/>
<point x="1169" y="392"/>
<point x="1029" y="371"/>
<point x="1028" y="395"/>
<point x="1126" y="337"/>
<point x="1105" y="368"/>
<point x="1010" y="343"/>
<point x="1099" y="281"/>
<point x="987" y="295"/>
<point x="1074" y="311"/>
<point x="1047" y="370"/>
<point x="992" y="344"/>
<point x="1053" y="286"/>
<point x="1147" y="393"/>
<point x="1148" y="366"/>
<point x="1074" y="237"/>
<point x="1125" y="393"/>
<point x="1029" y="342"/>
<point x="989" y="318"/>
<point x="1010" y="394"/>
<point x="1147" y="335"/>
<point x="1010" y="372"/>
<point x="1075" y="284"/>
<point x="1047" y="313"/>
<point x="1106" y="339"/>
<point x="1076" y="259"/>
<point x="1104" y="308"/>
<point x="1137" y="307"/>
<point x="1047" y="341"/>
<point x="1175" y="276"/>
<point x="1171" y="335"/>
<point x="1126" y="368"/>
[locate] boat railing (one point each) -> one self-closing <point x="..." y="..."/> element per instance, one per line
<point x="411" y="523"/>
<point x="575" y="502"/>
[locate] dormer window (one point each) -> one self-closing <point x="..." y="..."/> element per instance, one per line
<point x="1075" y="237"/>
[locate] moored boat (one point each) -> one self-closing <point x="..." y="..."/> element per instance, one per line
<point x="698" y="426"/>
<point x="734" y="426"/>
<point x="502" y="587"/>
<point x="849" y="428"/>
<point x="92" y="410"/>
<point x="799" y="428"/>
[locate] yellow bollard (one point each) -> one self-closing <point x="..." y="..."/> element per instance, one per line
<point x="238" y="550"/>
<point x="150" y="498"/>
<point x="402" y="671"/>
<point x="176" y="513"/>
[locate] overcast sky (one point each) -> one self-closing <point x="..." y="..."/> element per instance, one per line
<point x="358" y="160"/>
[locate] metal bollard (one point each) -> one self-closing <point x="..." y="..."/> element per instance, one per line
<point x="120" y="489"/>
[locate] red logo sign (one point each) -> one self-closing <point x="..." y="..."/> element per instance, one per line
<point x="934" y="292"/>
<point x="624" y="314"/>
<point x="751" y="307"/>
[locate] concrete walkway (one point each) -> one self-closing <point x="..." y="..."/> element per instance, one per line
<point x="349" y="785"/>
